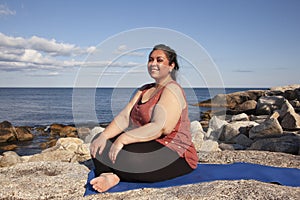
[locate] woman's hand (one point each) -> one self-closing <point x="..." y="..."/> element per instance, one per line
<point x="98" y="143"/>
<point x="115" y="149"/>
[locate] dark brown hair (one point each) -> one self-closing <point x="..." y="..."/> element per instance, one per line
<point x="171" y="55"/>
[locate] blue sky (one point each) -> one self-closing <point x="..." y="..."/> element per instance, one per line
<point x="253" y="43"/>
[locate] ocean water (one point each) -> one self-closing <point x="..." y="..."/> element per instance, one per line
<point x="45" y="106"/>
<point x="37" y="107"/>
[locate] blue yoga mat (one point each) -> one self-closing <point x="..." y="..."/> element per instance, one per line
<point x="213" y="172"/>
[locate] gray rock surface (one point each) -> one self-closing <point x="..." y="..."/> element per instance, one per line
<point x="62" y="180"/>
<point x="269" y="127"/>
<point x="43" y="180"/>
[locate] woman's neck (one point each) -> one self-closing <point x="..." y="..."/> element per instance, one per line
<point x="163" y="82"/>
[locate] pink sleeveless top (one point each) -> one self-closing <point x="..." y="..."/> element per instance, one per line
<point x="179" y="140"/>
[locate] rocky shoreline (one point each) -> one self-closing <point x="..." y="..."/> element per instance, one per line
<point x="256" y="126"/>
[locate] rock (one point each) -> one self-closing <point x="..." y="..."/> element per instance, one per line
<point x="196" y="126"/>
<point x="247" y="106"/>
<point x="275" y="115"/>
<point x="83" y="150"/>
<point x="232" y="100"/>
<point x="225" y="146"/>
<point x="209" y="145"/>
<point x="9" y="158"/>
<point x="290" y="92"/>
<point x="68" y="144"/>
<point x="93" y="133"/>
<point x="296" y="105"/>
<point x="48" y="144"/>
<point x="63" y="130"/>
<point x="9" y="147"/>
<point x="259" y="118"/>
<point x="212" y="135"/>
<point x="23" y="134"/>
<point x="56" y="155"/>
<point x="233" y="129"/>
<point x="290" y="119"/>
<point x="237" y="98"/>
<point x="43" y="180"/>
<point x="65" y="150"/>
<point x="10" y="133"/>
<point x="61" y="180"/>
<point x="231" y="147"/>
<point x="229" y="131"/>
<point x="7" y="132"/>
<point x="197" y="134"/>
<point x="266" y="105"/>
<point x="240" y="117"/>
<point x="83" y="132"/>
<point x="269" y="127"/>
<point x="215" y="123"/>
<point x="285" y="108"/>
<point x="242" y="140"/>
<point x="204" y="124"/>
<point x="286" y="87"/>
<point x="288" y="143"/>
<point x="215" y="128"/>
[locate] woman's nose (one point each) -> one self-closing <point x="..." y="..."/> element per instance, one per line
<point x="154" y="62"/>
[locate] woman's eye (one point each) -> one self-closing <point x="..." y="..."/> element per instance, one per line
<point x="160" y="60"/>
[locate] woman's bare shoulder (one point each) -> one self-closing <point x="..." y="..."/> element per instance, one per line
<point x="146" y="86"/>
<point x="175" y="88"/>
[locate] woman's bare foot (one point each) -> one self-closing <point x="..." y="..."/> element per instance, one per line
<point x="105" y="181"/>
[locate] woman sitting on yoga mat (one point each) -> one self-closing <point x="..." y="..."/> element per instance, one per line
<point x="150" y="139"/>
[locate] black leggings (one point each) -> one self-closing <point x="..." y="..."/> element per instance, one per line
<point x="142" y="162"/>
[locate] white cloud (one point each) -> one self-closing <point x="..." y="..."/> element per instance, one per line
<point x="18" y="53"/>
<point x="51" y="47"/>
<point x="124" y="50"/>
<point x="4" y="10"/>
<point x="39" y="56"/>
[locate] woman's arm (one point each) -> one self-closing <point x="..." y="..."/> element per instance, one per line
<point x="121" y="121"/>
<point x="119" y="124"/>
<point x="166" y="114"/>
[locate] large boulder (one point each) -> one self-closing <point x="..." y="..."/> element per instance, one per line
<point x="242" y="140"/>
<point x="215" y="128"/>
<point x="233" y="129"/>
<point x="23" y="134"/>
<point x="63" y="130"/>
<point x="232" y="100"/>
<point x="287" y="143"/>
<point x="7" y="132"/>
<point x="9" y="158"/>
<point x="240" y="117"/>
<point x="266" y="105"/>
<point x="291" y="121"/>
<point x="209" y="145"/>
<point x="96" y="130"/>
<point x="289" y="118"/>
<point x="248" y="106"/>
<point x="269" y="127"/>
<point x="197" y="134"/>
<point x="65" y="150"/>
<point x="290" y="92"/>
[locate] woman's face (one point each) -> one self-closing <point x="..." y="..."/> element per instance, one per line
<point x="158" y="65"/>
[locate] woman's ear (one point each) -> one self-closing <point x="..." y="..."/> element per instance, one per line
<point x="172" y="65"/>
